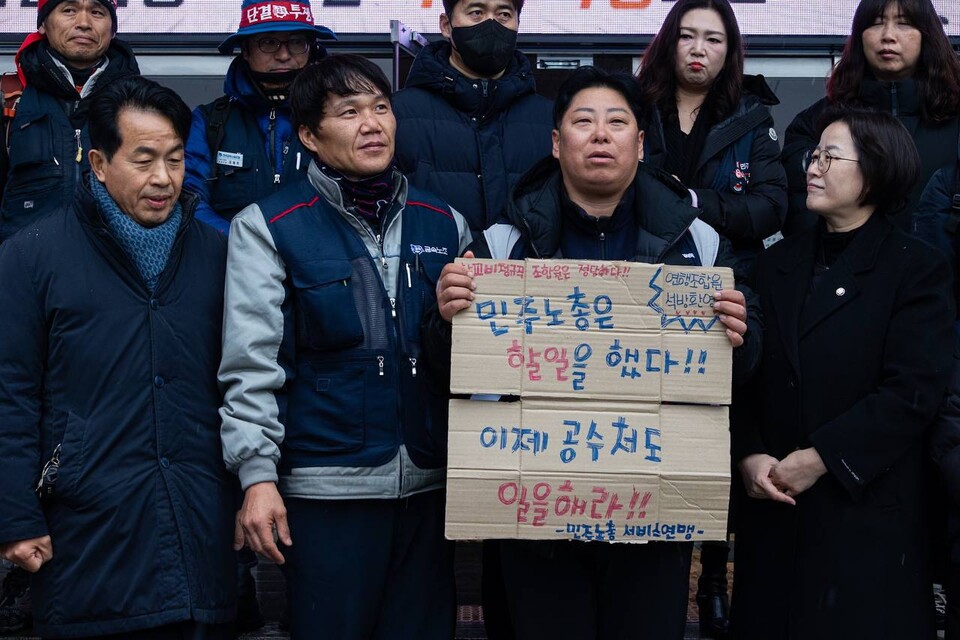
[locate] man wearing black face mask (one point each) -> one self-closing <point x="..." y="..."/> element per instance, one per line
<point x="469" y="120"/>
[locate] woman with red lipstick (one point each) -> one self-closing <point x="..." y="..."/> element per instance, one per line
<point x="897" y="59"/>
<point x="833" y="542"/>
<point x="710" y="126"/>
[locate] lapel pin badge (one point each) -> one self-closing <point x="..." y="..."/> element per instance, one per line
<point x="841" y="291"/>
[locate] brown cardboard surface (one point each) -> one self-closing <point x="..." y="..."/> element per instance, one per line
<point x="563" y="469"/>
<point x="617" y="330"/>
<point x="618" y="430"/>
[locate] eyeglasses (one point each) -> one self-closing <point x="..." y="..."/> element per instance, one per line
<point x="823" y="160"/>
<point x="295" y="45"/>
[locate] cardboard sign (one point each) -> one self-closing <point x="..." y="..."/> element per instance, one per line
<point x="619" y="372"/>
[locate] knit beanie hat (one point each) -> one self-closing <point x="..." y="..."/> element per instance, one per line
<point x="260" y="16"/>
<point x="44" y="7"/>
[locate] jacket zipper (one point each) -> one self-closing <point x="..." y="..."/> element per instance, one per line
<point x="894" y="100"/>
<point x="273" y="143"/>
<point x="76" y="135"/>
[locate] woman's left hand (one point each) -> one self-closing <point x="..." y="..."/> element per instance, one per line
<point x="798" y="471"/>
<point x="731" y="306"/>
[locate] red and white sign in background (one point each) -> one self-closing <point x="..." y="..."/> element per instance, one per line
<point x="554" y="17"/>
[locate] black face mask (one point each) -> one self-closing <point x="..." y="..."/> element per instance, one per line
<point x="486" y="48"/>
<point x="284" y="78"/>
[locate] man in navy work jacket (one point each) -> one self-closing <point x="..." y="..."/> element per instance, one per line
<point x="113" y="491"/>
<point x="73" y="54"/>
<point x="332" y="414"/>
<point x="469" y="120"/>
<point x="242" y="146"/>
<point x="593" y="200"/>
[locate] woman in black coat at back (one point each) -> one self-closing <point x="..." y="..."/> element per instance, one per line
<point x="857" y="351"/>
<point x="897" y="59"/>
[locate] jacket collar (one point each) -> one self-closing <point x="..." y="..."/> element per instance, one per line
<point x="899" y="98"/>
<point x="661" y="206"/>
<point x="40" y="71"/>
<point x="749" y="114"/>
<point x="861" y="255"/>
<point x="432" y="72"/>
<point x="330" y="191"/>
<point x="797" y="315"/>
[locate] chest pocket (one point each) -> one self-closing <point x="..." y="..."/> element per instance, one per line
<point x="421" y="293"/>
<point x="235" y="187"/>
<point x="35" y="168"/>
<point x="326" y="314"/>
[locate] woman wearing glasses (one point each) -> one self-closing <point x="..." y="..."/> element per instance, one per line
<point x="898" y="60"/>
<point x="857" y="351"/>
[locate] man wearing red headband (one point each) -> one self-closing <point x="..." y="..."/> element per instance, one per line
<point x="73" y="53"/>
<point x="242" y="146"/>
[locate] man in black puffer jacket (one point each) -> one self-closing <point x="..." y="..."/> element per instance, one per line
<point x="593" y="200"/>
<point x="73" y="54"/>
<point x="469" y="122"/>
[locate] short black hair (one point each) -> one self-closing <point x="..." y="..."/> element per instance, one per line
<point x="343" y="74"/>
<point x="888" y="156"/>
<point x="132" y="92"/>
<point x="448" y="5"/>
<point x="589" y="77"/>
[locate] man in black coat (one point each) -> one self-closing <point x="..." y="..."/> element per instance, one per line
<point x="469" y="122"/>
<point x="73" y="54"/>
<point x="113" y="492"/>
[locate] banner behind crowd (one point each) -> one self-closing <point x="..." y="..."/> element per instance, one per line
<point x="556" y="17"/>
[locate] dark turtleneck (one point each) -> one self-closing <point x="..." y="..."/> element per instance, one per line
<point x="830" y="246"/>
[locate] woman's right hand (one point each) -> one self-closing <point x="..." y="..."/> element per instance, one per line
<point x="756" y="469"/>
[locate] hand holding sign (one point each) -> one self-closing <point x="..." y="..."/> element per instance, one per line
<point x="731" y="307"/>
<point x="455" y="289"/>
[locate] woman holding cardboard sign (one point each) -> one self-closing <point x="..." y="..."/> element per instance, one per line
<point x="857" y="351"/>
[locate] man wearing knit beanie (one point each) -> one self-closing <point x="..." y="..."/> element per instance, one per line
<point x="44" y="7"/>
<point x="242" y="146"/>
<point x="73" y="53"/>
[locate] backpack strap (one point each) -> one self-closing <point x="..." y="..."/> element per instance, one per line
<point x="216" y="128"/>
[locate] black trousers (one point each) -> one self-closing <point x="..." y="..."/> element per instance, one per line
<point x="591" y="590"/>
<point x="370" y="569"/>
<point x="951" y="585"/>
